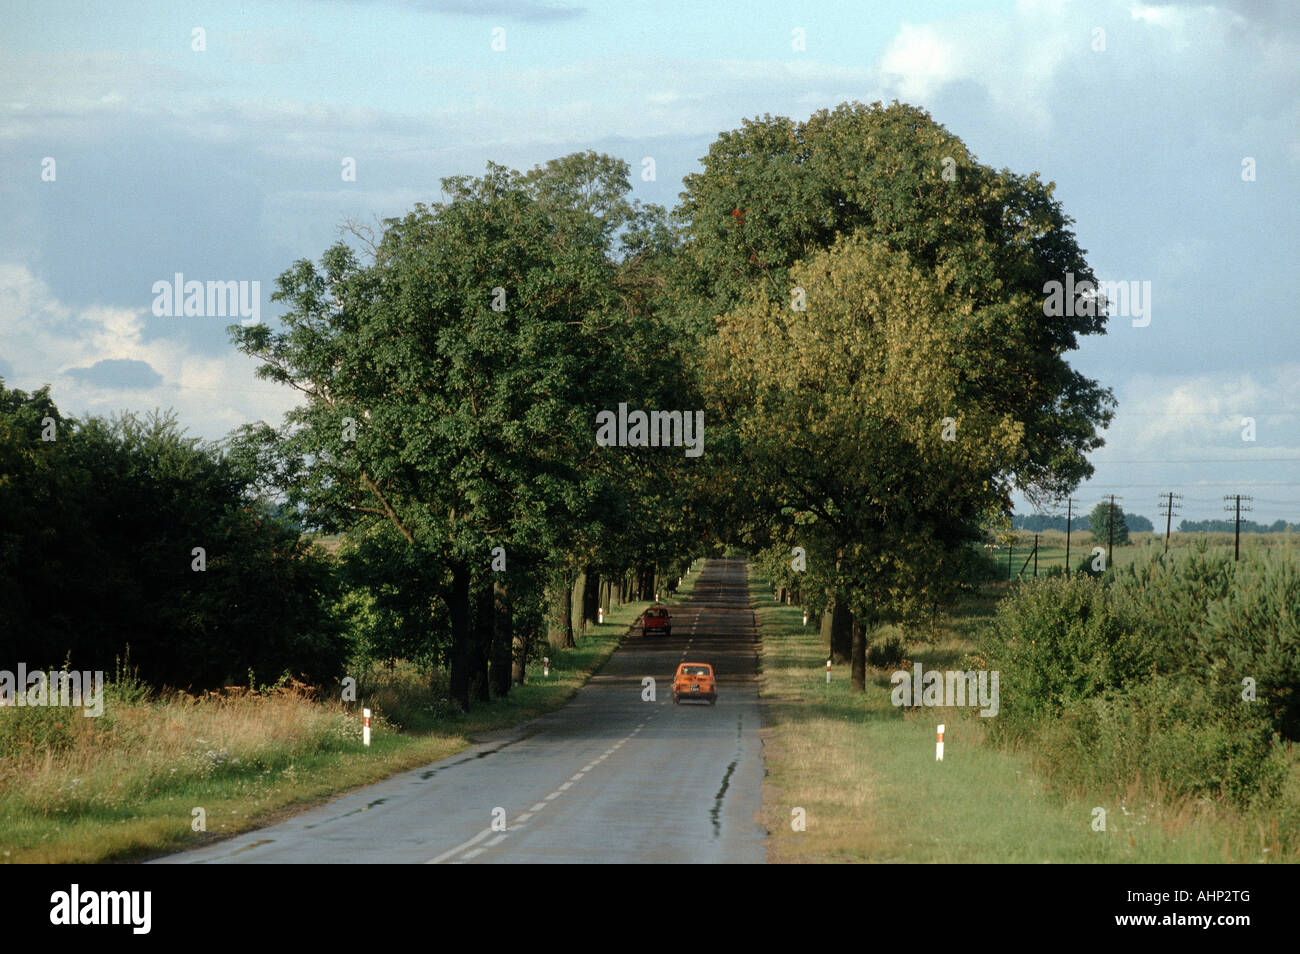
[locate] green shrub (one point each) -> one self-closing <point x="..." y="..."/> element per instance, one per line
<point x="888" y="654"/>
<point x="1173" y="597"/>
<point x="1058" y="640"/>
<point x="1084" y="568"/>
<point x="1192" y="739"/>
<point x="1254" y="632"/>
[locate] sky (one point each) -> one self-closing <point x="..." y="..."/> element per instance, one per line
<point x="1171" y="131"/>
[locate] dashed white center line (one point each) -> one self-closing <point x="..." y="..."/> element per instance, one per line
<point x="475" y="852"/>
<point x="461" y="847"/>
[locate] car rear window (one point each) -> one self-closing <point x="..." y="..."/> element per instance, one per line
<point x="695" y="670"/>
<point x="656" y="612"/>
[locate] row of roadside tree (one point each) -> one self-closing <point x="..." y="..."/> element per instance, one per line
<point x="853" y="302"/>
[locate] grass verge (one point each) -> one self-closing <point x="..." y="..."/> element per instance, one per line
<point x="865" y="774"/>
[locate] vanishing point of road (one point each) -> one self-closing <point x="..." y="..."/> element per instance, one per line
<point x="609" y="778"/>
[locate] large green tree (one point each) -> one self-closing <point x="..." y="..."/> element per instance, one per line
<point x="452" y="384"/>
<point x="1100" y="523"/>
<point x="882" y="351"/>
<point x="775" y="191"/>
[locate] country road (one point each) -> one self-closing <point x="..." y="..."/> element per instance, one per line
<point x="609" y="778"/>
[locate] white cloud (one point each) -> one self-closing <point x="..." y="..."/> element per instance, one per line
<point x="920" y="61"/>
<point x="43" y="339"/>
<point x="1199" y="419"/>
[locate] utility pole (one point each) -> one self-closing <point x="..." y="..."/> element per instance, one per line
<point x="1035" y="556"/>
<point x="1236" y="543"/>
<point x="1168" y="506"/>
<point x="1069" y="512"/>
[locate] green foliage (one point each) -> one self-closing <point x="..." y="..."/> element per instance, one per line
<point x="1142" y="675"/>
<point x="1056" y="641"/>
<point x="1171" y="730"/>
<point x="97" y="557"/>
<point x="452" y="386"/>
<point x="1085" y="567"/>
<point x="776" y="192"/>
<point x="888" y="654"/>
<point x="869" y="305"/>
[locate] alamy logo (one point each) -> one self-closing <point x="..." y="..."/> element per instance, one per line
<point x="37" y="688"/>
<point x="195" y="299"/>
<point x="1093" y="299"/>
<point x="656" y="429"/>
<point x="134" y="908"/>
<point x="956" y="688"/>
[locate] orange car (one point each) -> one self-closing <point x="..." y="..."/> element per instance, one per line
<point x="695" y="681"/>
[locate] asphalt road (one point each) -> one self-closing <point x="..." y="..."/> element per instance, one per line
<point x="610" y="778"/>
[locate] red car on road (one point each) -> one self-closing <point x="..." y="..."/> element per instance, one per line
<point x="655" y="622"/>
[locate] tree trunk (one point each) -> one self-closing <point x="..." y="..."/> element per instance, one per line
<point x="560" y="624"/>
<point x="591" y="598"/>
<point x="502" y="648"/>
<point x="841" y="632"/>
<point x="828" y="618"/>
<point x="458" y="606"/>
<point x="521" y="647"/>
<point x="557" y="608"/>
<point x="859" y="654"/>
<point x="484" y="626"/>
<point x="577" y="601"/>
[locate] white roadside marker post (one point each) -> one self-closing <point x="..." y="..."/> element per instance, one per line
<point x="600" y="614"/>
<point x="546" y="665"/>
<point x="828" y="672"/>
<point x="938" y="746"/>
<point x="365" y="726"/>
<point x="805" y="617"/>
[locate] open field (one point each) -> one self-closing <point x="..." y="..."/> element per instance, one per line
<point x="865" y="773"/>
<point x="1142" y="546"/>
<point x="125" y="785"/>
